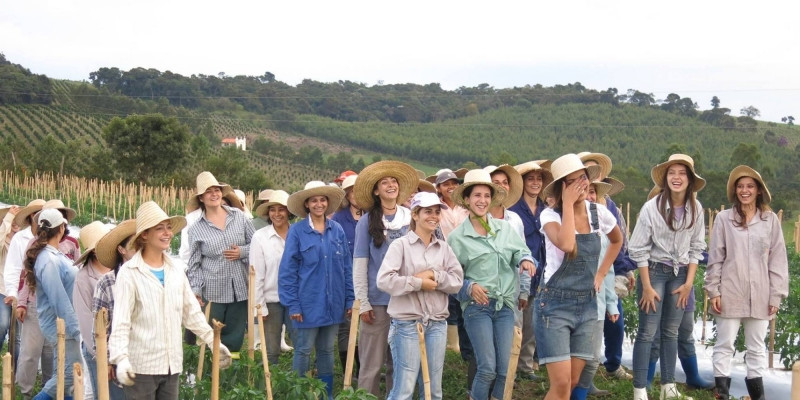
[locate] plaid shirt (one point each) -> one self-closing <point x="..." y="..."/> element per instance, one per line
<point x="211" y="275"/>
<point x="103" y="298"/>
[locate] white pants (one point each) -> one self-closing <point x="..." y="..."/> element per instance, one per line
<point x="756" y="356"/>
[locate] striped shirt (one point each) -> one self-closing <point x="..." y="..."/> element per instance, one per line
<point x="103" y="298"/>
<point x="652" y="240"/>
<point x="211" y="275"/>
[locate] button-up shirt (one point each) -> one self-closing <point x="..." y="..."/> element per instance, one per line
<point x="747" y="265"/>
<point x="148" y="316"/>
<point x="103" y="298"/>
<point x="408" y="256"/>
<point x="14" y="259"/>
<point x="55" y="278"/>
<point x="210" y="273"/>
<point x="451" y="218"/>
<point x="266" y="251"/>
<point x="653" y="240"/>
<point x="491" y="261"/>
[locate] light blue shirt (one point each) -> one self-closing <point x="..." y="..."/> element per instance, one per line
<point x="55" y="278"/>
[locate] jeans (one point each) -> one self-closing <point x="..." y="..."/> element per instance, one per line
<point x="614" y="336"/>
<point x="491" y="332"/>
<point x="685" y="339"/>
<point x="91" y="364"/>
<point x="565" y="322"/>
<point x="322" y="339"/>
<point x="272" y="330"/>
<point x="404" y="342"/>
<point x="667" y="317"/>
<point x="528" y="350"/>
<point x="72" y="354"/>
<point x="590" y="369"/>
<point x="5" y="320"/>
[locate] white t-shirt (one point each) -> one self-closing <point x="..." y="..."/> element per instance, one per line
<point x="555" y="256"/>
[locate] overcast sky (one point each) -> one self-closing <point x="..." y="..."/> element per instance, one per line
<point x="744" y="52"/>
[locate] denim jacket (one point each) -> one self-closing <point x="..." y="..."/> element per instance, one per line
<point x="315" y="277"/>
<point x="55" y="278"/>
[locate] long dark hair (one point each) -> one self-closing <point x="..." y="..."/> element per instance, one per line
<point x="376" y="227"/>
<point x="43" y="235"/>
<point x="665" y="198"/>
<point x="741" y="219"/>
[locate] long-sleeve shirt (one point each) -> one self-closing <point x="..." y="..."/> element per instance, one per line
<point x="532" y="235"/>
<point x="211" y="275"/>
<point x="408" y="256"/>
<point x="266" y="251"/>
<point x="345" y="218"/>
<point x="364" y="279"/>
<point x="653" y="240"/>
<point x="14" y="261"/>
<point x="491" y="261"/>
<point x="148" y="316"/>
<point x="185" y="250"/>
<point x="515" y="221"/>
<point x="747" y="265"/>
<point x="82" y="298"/>
<point x="5" y="228"/>
<point x="68" y="247"/>
<point x="55" y="279"/>
<point x="103" y="298"/>
<point x="451" y="218"/>
<point x="315" y="278"/>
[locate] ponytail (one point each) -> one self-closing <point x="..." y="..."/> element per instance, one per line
<point x="43" y="235"/>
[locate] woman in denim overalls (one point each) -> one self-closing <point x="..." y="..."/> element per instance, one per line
<point x="566" y="308"/>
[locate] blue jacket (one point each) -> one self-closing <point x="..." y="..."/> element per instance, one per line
<point x="315" y="278"/>
<point x="533" y="236"/>
<point x="55" y="278"/>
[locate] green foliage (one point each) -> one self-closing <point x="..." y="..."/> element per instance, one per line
<point x="231" y="165"/>
<point x="19" y="85"/>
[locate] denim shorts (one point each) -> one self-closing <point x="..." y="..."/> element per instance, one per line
<point x="564" y="324"/>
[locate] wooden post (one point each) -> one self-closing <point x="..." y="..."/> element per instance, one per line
<point x="251" y="302"/>
<point x="796" y="381"/>
<point x="780" y="215"/>
<point x="8" y="377"/>
<point x="423" y="357"/>
<point x="215" y="359"/>
<point x="797" y="235"/>
<point x="264" y="358"/>
<point x="201" y="360"/>
<point x="77" y="381"/>
<point x="705" y="316"/>
<point x="61" y="333"/>
<point x="710" y="221"/>
<point x="628" y="220"/>
<point x="351" y="344"/>
<point x="12" y="344"/>
<point x="512" y="363"/>
<point x="101" y="342"/>
<point x="772" y="339"/>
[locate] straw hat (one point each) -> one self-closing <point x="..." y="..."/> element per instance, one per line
<point x="479" y="177"/>
<point x="514" y="183"/>
<point x="148" y="215"/>
<point x="534" y="166"/>
<point x="278" y="197"/>
<point x="565" y="165"/>
<point x="296" y="202"/>
<point x="601" y="159"/>
<point x="405" y="174"/>
<point x="262" y="197"/>
<point x="32" y="208"/>
<point x="616" y="185"/>
<point x="659" y="171"/>
<point x="89" y="236"/>
<point x="544" y="163"/>
<point x="242" y="198"/>
<point x="106" y="248"/>
<point x="420" y="174"/>
<point x="425" y="186"/>
<point x="206" y="180"/>
<point x="743" y="171"/>
<point x="59" y="205"/>
<point x="601" y="188"/>
<point x="4" y="211"/>
<point x="348" y="182"/>
<point x="654" y="192"/>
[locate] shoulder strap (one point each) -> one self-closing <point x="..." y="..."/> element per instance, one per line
<point x="595" y="220"/>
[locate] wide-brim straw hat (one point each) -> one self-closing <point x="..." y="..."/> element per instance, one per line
<point x="565" y="165"/>
<point x="106" y="248"/>
<point x="59" y="205"/>
<point x="420" y="174"/>
<point x="206" y="180"/>
<point x="148" y="215"/>
<point x="21" y="219"/>
<point x="405" y="174"/>
<point x="545" y="163"/>
<point x="89" y="236"/>
<point x="601" y="189"/>
<point x="278" y="197"/>
<point x="659" y="171"/>
<point x="514" y="183"/>
<point x="296" y="202"/>
<point x="601" y="159"/>
<point x="478" y="177"/>
<point x="743" y="171"/>
<point x="263" y="196"/>
<point x="654" y="192"/>
<point x="616" y="185"/>
<point x="425" y="186"/>
<point x="534" y="166"/>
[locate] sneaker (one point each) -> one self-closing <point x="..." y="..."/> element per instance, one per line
<point x="620" y="374"/>
<point x="528" y="376"/>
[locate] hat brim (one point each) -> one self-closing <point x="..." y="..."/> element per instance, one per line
<point x="177" y="222"/>
<point x="601" y="189"/>
<point x="296" y="202"/>
<point x="21" y="219"/>
<point x="85" y="256"/>
<point x="499" y="194"/>
<point x="744" y="171"/>
<point x="227" y="193"/>
<point x="592" y="172"/>
<point x="514" y="182"/>
<point x="601" y="159"/>
<point x="263" y="209"/>
<point x="655" y="191"/>
<point x="425" y="186"/>
<point x="616" y="185"/>
<point x="659" y="171"/>
<point x="106" y="247"/>
<point x="405" y="174"/>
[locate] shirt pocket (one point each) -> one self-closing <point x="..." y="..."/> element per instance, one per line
<point x="309" y="254"/>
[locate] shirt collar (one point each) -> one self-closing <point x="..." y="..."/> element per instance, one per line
<point x="470" y="230"/>
<point x="413" y="237"/>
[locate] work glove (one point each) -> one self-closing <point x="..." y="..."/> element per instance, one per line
<point x="125" y="373"/>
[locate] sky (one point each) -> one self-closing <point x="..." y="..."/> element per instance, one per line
<point x="744" y="52"/>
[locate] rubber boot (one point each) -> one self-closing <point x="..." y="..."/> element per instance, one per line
<point x="640" y="394"/>
<point x="594" y="391"/>
<point x="452" y="338"/>
<point x="755" y="387"/>
<point x="579" y="393"/>
<point x="651" y="373"/>
<point x="722" y="387"/>
<point x="42" y="396"/>
<point x="669" y="392"/>
<point x="693" y="378"/>
<point x="328" y="379"/>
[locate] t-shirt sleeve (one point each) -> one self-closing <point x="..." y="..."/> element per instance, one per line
<point x="361" y="243"/>
<point x="606" y="219"/>
<point x="548" y="215"/>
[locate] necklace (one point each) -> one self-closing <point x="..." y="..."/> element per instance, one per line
<point x="388" y="208"/>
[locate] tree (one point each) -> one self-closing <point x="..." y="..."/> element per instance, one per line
<point x="147" y="147"/>
<point x="746" y="154"/>
<point x="789" y="120"/>
<point x="715" y="102"/>
<point x="750" y="111"/>
<point x="233" y="168"/>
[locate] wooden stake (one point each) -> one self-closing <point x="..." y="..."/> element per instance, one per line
<point x="77" y="381"/>
<point x="12" y="334"/>
<point x="202" y="358"/>
<point x="423" y="357"/>
<point x="628" y="220"/>
<point x="215" y="359"/>
<point x="61" y="333"/>
<point x="351" y="344"/>
<point x="705" y="314"/>
<point x="8" y="376"/>
<point x="512" y="362"/>
<point x="772" y="339"/>
<point x="251" y="301"/>
<point x="796" y="381"/>
<point x="101" y="343"/>
<point x="264" y="359"/>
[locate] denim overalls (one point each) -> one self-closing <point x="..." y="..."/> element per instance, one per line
<point x="566" y="307"/>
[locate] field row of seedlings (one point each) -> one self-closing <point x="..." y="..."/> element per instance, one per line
<point x="32" y="123"/>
